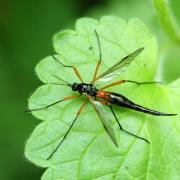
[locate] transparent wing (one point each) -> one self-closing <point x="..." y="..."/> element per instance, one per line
<point x="119" y="67"/>
<point x="105" y="119"/>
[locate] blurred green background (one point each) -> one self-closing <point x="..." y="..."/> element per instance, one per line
<point x="26" y="30"/>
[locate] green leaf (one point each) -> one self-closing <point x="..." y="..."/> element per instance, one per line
<point x="87" y="152"/>
<point x="167" y="20"/>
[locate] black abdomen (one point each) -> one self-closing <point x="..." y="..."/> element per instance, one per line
<point x="122" y="101"/>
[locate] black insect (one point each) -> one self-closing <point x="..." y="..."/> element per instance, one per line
<point x="99" y="98"/>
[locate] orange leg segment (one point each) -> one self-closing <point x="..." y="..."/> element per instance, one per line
<point x="113" y="84"/>
<point x="124" y="81"/>
<point x="96" y="71"/>
<point x="73" y="67"/>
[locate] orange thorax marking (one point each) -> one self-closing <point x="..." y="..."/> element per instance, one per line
<point x="103" y="94"/>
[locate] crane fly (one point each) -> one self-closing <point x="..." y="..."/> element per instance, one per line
<point x="100" y="98"/>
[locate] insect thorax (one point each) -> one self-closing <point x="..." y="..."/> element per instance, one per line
<point x="83" y="88"/>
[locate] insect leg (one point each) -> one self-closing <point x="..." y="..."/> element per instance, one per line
<point x="100" y="57"/>
<point x="64" y="137"/>
<point x="45" y="107"/>
<point x="113" y="84"/>
<point x="121" y="128"/>
<point x="73" y="67"/>
<point x="124" y="81"/>
<point x="139" y="83"/>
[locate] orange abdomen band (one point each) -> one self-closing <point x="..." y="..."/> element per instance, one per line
<point x="103" y="94"/>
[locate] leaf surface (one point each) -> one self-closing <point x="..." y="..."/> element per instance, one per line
<point x="87" y="152"/>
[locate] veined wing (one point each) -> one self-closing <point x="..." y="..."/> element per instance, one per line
<point x="119" y="67"/>
<point x="105" y="119"/>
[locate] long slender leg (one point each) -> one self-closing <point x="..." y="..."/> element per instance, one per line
<point x="64" y="137"/>
<point x="45" y="107"/>
<point x="57" y="77"/>
<point x="139" y="83"/>
<point x="113" y="84"/>
<point x="73" y="67"/>
<point x="125" y="130"/>
<point x="124" y="81"/>
<point x="100" y="57"/>
<point x="54" y="83"/>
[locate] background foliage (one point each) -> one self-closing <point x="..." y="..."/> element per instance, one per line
<point x="25" y="38"/>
